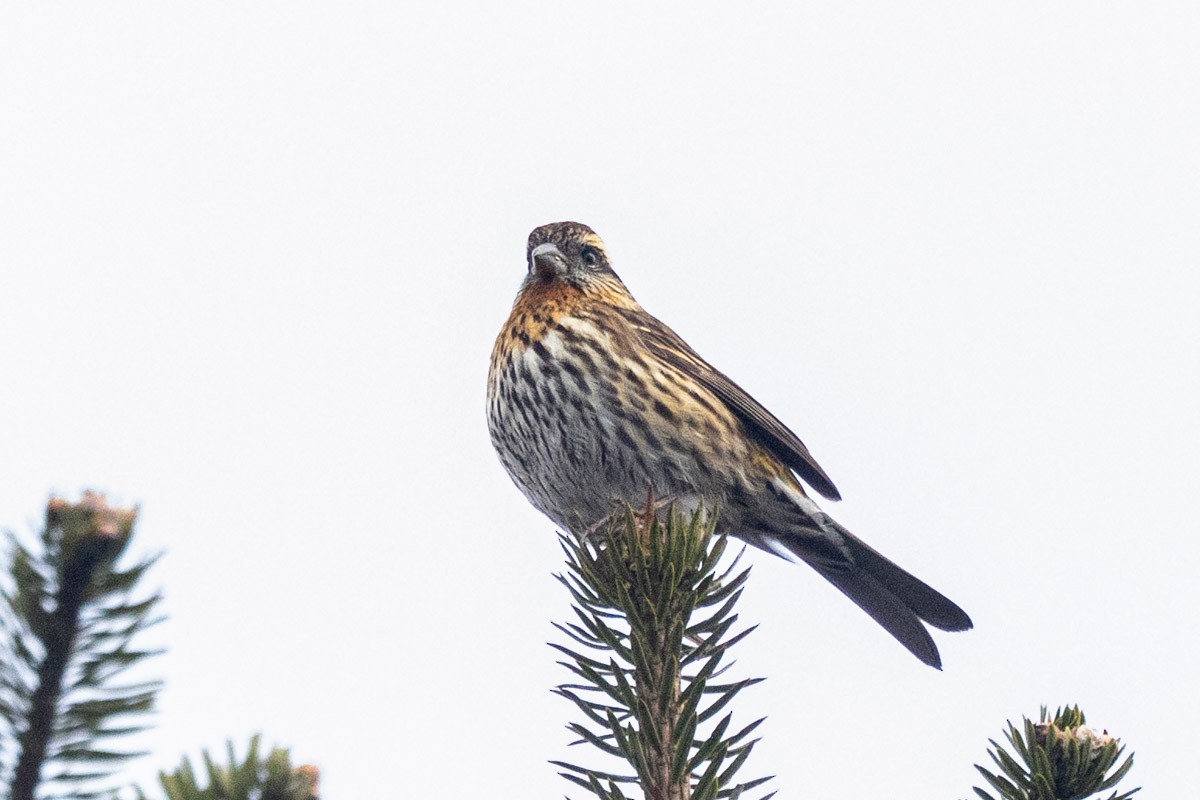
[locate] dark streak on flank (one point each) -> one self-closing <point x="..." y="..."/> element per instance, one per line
<point x="576" y="373"/>
<point x="626" y="439"/>
<point x="635" y="379"/>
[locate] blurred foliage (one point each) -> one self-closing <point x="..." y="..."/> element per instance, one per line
<point x="67" y="623"/>
<point x="1061" y="759"/>
<point x="657" y="620"/>
<point x="251" y="778"/>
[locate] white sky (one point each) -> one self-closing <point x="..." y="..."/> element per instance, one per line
<point x="253" y="258"/>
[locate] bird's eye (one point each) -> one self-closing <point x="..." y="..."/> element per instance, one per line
<point x="590" y="256"/>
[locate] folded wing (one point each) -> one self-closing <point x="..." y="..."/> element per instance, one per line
<point x="762" y="425"/>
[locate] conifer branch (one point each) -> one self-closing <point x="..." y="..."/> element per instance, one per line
<point x="654" y="622"/>
<point x="69" y="621"/>
<point x="1063" y="759"/>
<point x="251" y="778"/>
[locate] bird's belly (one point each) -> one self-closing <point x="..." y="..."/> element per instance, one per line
<point x="577" y="444"/>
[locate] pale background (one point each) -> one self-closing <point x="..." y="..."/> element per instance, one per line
<point x="254" y="257"/>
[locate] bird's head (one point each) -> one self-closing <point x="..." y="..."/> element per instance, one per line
<point x="569" y="254"/>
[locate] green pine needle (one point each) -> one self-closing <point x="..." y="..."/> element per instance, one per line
<point x="636" y="587"/>
<point x="68" y="619"/>
<point x="251" y="778"/>
<point x="1064" y="759"/>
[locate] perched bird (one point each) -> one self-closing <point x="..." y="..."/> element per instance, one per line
<point x="592" y="401"/>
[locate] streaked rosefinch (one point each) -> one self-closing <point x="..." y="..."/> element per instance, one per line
<point x="592" y="401"/>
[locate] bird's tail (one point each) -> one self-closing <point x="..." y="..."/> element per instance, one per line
<point x="894" y="598"/>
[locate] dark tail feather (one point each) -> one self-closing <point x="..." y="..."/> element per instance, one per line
<point x="925" y="601"/>
<point x="886" y="609"/>
<point x="894" y="598"/>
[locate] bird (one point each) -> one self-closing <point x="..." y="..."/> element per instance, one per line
<point x="592" y="402"/>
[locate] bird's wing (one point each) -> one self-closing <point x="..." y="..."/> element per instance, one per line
<point x="762" y="424"/>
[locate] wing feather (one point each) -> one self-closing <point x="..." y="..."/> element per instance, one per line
<point x="762" y="424"/>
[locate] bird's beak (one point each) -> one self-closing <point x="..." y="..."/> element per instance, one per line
<point x="547" y="261"/>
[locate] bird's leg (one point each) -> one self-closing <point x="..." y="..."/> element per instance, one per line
<point x="648" y="513"/>
<point x="592" y="529"/>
